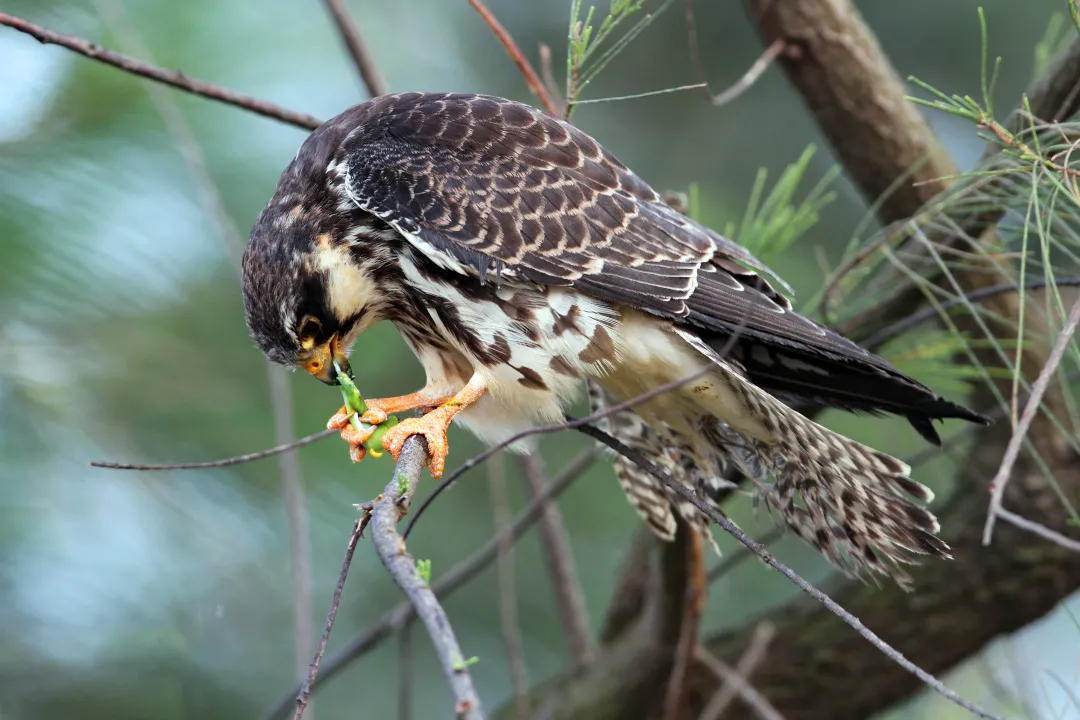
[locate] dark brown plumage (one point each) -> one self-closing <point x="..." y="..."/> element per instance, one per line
<point x="518" y="258"/>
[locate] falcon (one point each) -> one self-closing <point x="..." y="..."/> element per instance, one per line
<point x="521" y="261"/>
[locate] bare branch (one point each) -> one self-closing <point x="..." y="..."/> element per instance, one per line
<point x="747" y="80"/>
<point x="507" y="581"/>
<point x="225" y="462"/>
<point x="691" y="497"/>
<point x="354" y="43"/>
<point x="560" y="562"/>
<point x="447" y="584"/>
<point x="1039" y="529"/>
<point x="1031" y="409"/>
<point x="173" y="78"/>
<point x="523" y="64"/>
<point x="735" y="681"/>
<point x="904" y="324"/>
<point x="548" y="75"/>
<point x="388" y="510"/>
<point x="313" y="670"/>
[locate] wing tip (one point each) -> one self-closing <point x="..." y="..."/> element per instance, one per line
<point x="941" y="409"/>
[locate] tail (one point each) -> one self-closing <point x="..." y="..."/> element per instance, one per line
<point x="857" y="506"/>
<point x="657" y="505"/>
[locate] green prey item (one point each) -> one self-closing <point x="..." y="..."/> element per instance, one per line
<point x="354" y="403"/>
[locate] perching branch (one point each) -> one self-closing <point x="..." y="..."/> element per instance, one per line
<point x="386" y="511"/>
<point x="354" y="43"/>
<point x="445" y="585"/>
<point x="173" y="78"/>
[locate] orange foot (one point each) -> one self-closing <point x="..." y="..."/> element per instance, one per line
<point x="433" y="427"/>
<point x="377" y="411"/>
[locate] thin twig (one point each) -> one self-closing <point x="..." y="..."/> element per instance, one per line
<point x="1039" y="529"/>
<point x="691" y="497"/>
<point x="507" y="582"/>
<point x="747" y="80"/>
<point x="560" y="562"/>
<point x="388" y="510"/>
<point x="313" y="671"/>
<point x="523" y="64"/>
<point x="735" y="681"/>
<point x="224" y="462"/>
<point x="1031" y="409"/>
<point x="915" y="319"/>
<point x="173" y="78"/>
<point x="446" y="585"/>
<point x="692" y="45"/>
<point x="354" y="43"/>
<point x="548" y="75"/>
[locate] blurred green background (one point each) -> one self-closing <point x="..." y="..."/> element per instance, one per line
<point x="168" y="595"/>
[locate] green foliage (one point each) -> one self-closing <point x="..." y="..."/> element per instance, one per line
<point x="588" y="49"/>
<point x="1028" y="178"/>
<point x="461" y="664"/>
<point x="770" y="225"/>
<point x="423" y="567"/>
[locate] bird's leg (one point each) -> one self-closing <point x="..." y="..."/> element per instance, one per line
<point x="377" y="411"/>
<point x="433" y="426"/>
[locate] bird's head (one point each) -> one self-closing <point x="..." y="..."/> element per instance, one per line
<point x="307" y="294"/>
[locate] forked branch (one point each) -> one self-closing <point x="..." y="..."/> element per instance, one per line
<point x="386" y="511"/>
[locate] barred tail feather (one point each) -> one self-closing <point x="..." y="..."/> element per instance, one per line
<point x="657" y="505"/>
<point x="856" y="505"/>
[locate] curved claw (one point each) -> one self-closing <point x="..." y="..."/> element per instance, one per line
<point x="339" y="420"/>
<point x="433" y="427"/>
<point x="342" y="420"/>
<point x="374" y="415"/>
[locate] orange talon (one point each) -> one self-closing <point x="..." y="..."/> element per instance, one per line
<point x="433" y="427"/>
<point x="378" y="409"/>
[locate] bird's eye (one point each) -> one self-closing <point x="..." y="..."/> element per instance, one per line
<point x="309" y="329"/>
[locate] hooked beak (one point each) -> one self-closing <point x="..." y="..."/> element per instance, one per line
<point x="325" y="361"/>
